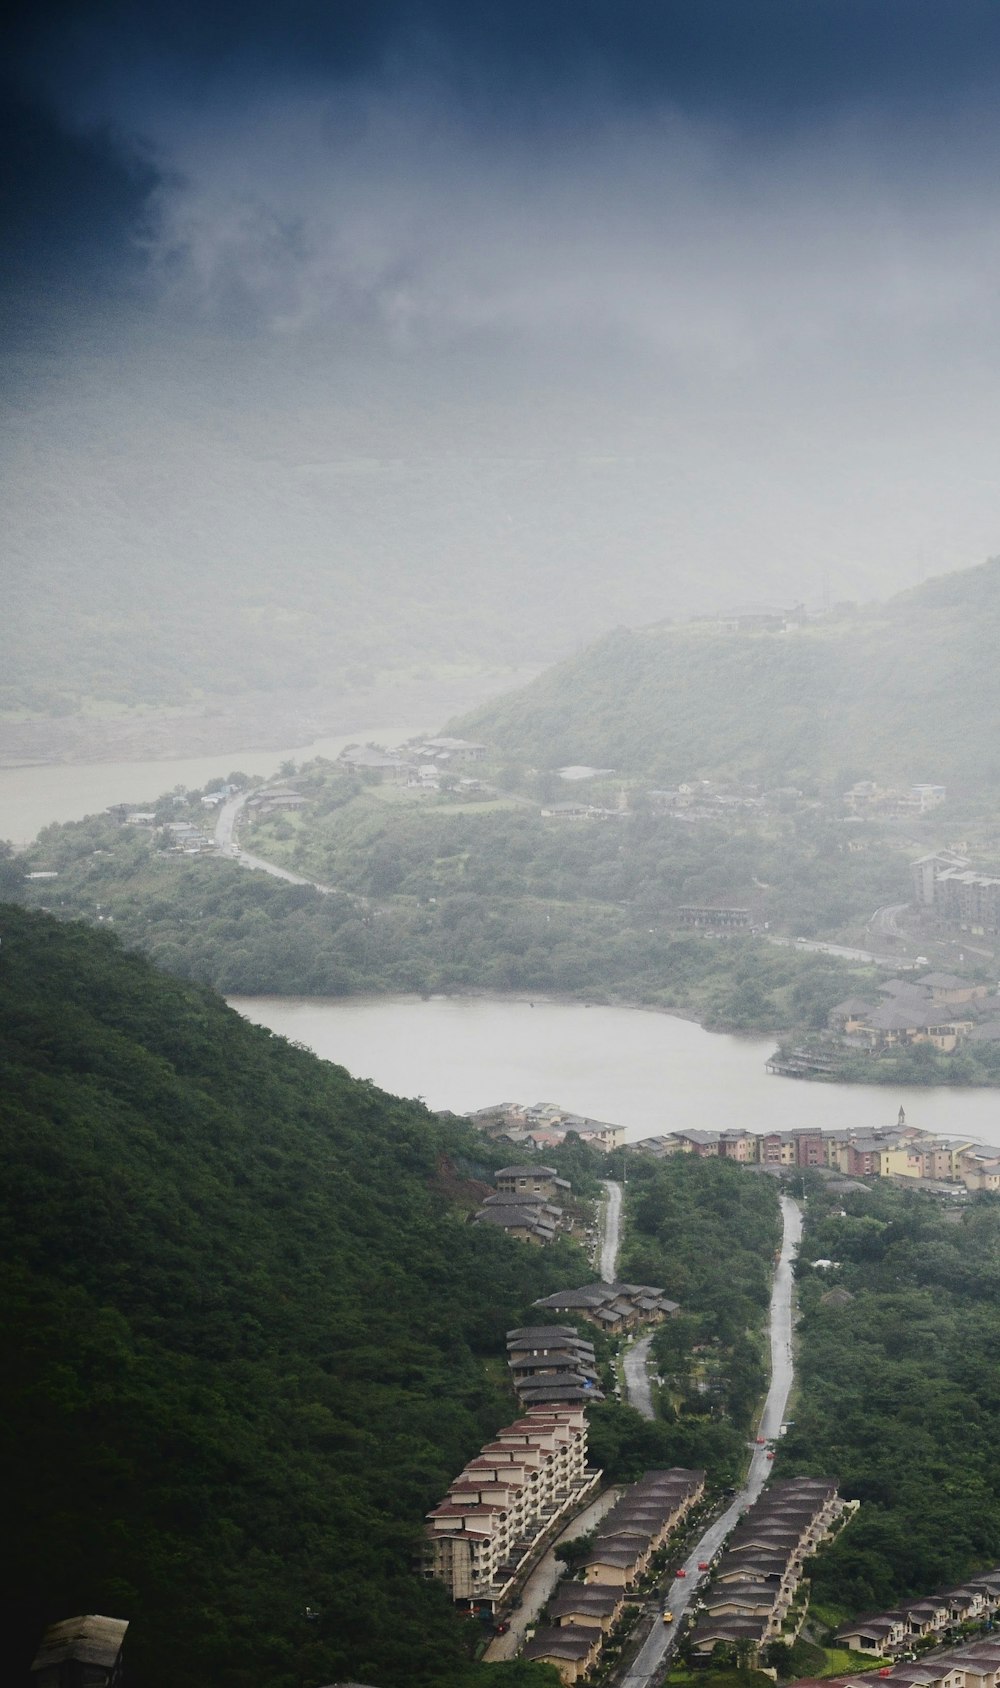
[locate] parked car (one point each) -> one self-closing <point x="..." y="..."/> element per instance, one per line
<point x="682" y="1572"/>
<point x="704" y="1565"/>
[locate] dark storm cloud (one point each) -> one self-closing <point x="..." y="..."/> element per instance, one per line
<point x="676" y="170"/>
<point x="770" y="56"/>
<point x="769" y="227"/>
<point x="726" y="181"/>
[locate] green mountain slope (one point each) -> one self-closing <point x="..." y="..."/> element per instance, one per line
<point x="907" y="690"/>
<point x="244" y="1332"/>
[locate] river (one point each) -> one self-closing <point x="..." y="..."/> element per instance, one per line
<point x="647" y="1071"/>
<point x="31" y="798"/>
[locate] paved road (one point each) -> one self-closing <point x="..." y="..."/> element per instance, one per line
<point x="225" y="843"/>
<point x="843" y="950"/>
<point x="611" y="1230"/>
<point x="225" y="824"/>
<point x="637" y="1387"/>
<point x="544" y="1577"/>
<point x="886" y="919"/>
<point x="649" y="1662"/>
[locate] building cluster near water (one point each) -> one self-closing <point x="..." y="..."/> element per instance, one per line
<point x="529" y="1197"/>
<point x="899" y="1151"/>
<point x="544" y="1125"/>
<point x="420" y="764"/>
<point x="939" y="1009"/>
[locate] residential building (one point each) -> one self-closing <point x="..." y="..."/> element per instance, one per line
<point x="498" y="1509"/>
<point x="612" y="1307"/>
<point x="84" y="1652"/>
<point x="761" y="1568"/>
<point x="541" y="1181"/>
<point x="573" y="1649"/>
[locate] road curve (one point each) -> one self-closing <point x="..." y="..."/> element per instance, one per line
<point x="225" y="824"/>
<point x="647" y="1665"/>
<point x="225" y="843"/>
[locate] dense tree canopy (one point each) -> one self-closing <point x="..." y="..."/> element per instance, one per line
<point x="900" y="1389"/>
<point x="245" y="1326"/>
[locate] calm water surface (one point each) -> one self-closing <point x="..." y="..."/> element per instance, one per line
<point x="647" y="1071"/>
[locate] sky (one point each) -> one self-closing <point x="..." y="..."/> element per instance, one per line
<point x="728" y="267"/>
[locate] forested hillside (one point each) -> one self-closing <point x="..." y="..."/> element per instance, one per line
<point x="875" y="692"/>
<point x="489" y="899"/>
<point x="245" y="1326"/>
<point x="900" y="1389"/>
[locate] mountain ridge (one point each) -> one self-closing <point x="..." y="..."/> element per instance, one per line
<point x="905" y="690"/>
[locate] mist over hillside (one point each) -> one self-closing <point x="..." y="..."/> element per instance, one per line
<point x="211" y="513"/>
<point x="906" y="690"/>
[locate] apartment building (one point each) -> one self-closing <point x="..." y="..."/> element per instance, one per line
<point x="499" y="1507"/>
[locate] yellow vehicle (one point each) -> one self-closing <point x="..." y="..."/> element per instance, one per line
<point x="668" y="1617"/>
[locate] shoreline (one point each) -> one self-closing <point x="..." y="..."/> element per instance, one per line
<point x="250" y="722"/>
<point x="564" y="1000"/>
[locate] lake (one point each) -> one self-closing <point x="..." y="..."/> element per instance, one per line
<point x="647" y="1071"/>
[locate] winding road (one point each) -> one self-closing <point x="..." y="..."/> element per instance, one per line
<point x="648" y="1663"/>
<point x="225" y="843"/>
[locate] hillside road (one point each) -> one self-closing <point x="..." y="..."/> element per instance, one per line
<point x="648" y="1664"/>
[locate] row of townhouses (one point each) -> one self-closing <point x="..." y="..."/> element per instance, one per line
<point x="552" y="1364"/>
<point x="481" y="1537"/>
<point x="756" y="1579"/>
<point x="901" y="1151"/>
<point x="583" y="1613"/>
<point x="612" y="1307"/>
<point x="888" y="1634"/>
<point x="971" y="1664"/>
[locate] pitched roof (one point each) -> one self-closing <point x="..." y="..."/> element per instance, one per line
<point x="90" y="1639"/>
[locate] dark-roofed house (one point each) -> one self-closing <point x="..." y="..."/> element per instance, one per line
<point x="612" y="1307"/>
<point x="595" y="1605"/>
<point x="572" y="1648"/>
<point x="529" y="1224"/>
<point x="84" y="1652"/>
<point x="710" y="1632"/>
<point x="551" y="1362"/>
<point x="541" y="1181"/>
